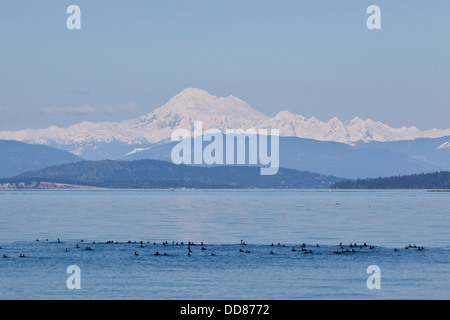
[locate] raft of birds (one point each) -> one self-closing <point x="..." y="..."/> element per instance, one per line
<point x="342" y="249"/>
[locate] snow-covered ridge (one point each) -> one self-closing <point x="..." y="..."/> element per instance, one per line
<point x="445" y="145"/>
<point x="137" y="150"/>
<point x="216" y="112"/>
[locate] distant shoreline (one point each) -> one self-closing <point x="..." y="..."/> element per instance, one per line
<point x="46" y="186"/>
<point x="70" y="186"/>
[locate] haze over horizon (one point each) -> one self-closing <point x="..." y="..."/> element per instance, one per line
<point x="313" y="59"/>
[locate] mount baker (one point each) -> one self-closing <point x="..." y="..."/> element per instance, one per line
<point x="215" y="112"/>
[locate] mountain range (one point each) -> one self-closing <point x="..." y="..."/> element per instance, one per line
<point x="103" y="140"/>
<point x="362" y="160"/>
<point x="351" y="149"/>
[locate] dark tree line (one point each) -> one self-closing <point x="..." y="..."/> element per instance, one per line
<point x="436" y="180"/>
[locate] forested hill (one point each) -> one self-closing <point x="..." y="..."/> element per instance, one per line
<point x="436" y="180"/>
<point x="161" y="174"/>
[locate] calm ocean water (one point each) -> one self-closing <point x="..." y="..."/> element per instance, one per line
<point x="221" y="219"/>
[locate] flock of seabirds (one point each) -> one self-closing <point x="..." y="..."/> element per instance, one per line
<point x="352" y="248"/>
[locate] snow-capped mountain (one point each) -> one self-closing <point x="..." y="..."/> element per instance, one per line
<point x="222" y="113"/>
<point x="180" y="112"/>
<point x="291" y="125"/>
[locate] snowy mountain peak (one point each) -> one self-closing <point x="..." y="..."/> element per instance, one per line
<point x="193" y="92"/>
<point x="198" y="103"/>
<point x="335" y="120"/>
<point x="286" y="116"/>
<point x="194" y="104"/>
<point x="355" y="120"/>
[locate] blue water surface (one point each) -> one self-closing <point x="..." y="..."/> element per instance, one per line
<point x="221" y="219"/>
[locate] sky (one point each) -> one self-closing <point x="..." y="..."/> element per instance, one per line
<point x="315" y="58"/>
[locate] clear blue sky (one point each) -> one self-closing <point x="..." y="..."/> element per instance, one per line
<point x="316" y="58"/>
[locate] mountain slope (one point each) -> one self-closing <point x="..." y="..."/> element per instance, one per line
<point x="87" y="138"/>
<point x="17" y="157"/>
<point x="157" y="174"/>
<point x="435" y="152"/>
<point x="342" y="160"/>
